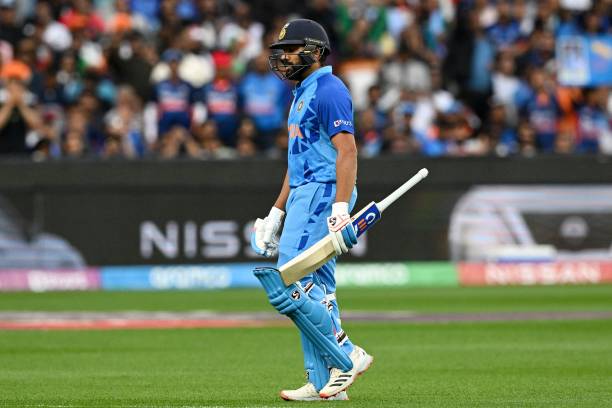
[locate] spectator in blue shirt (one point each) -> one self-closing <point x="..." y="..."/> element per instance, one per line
<point x="265" y="98"/>
<point x="541" y="109"/>
<point x="222" y="100"/>
<point x="173" y="96"/>
<point x="506" y="31"/>
<point x="593" y="123"/>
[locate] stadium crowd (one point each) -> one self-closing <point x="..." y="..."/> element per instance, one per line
<point x="190" y="78"/>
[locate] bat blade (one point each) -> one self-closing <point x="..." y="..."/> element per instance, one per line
<point x="308" y="261"/>
<point x="323" y="250"/>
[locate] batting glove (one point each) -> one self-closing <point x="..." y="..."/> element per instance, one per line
<point x="341" y="229"/>
<point x="265" y="235"/>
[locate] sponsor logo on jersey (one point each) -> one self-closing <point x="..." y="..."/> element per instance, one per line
<point x="342" y="122"/>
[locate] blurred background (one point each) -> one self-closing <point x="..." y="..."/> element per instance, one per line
<point x="139" y="139"/>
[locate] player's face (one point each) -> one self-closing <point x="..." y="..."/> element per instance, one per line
<point x="287" y="61"/>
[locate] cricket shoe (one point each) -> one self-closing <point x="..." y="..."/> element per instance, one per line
<point x="340" y="380"/>
<point x="309" y="393"/>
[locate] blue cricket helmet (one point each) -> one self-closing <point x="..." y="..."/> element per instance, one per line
<point x="301" y="32"/>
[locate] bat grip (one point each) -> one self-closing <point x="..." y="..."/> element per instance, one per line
<point x="390" y="199"/>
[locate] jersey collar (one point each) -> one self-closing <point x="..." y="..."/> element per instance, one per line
<point x="314" y="76"/>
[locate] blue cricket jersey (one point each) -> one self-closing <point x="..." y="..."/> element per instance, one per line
<point x="321" y="108"/>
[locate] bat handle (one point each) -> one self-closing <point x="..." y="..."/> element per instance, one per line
<point x="390" y="199"/>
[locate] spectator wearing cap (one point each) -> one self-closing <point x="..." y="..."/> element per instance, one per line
<point x="222" y="99"/>
<point x="18" y="109"/>
<point x="173" y="97"/>
<point x="265" y="99"/>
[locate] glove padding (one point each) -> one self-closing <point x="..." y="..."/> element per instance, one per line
<point x="341" y="229"/>
<point x="265" y="234"/>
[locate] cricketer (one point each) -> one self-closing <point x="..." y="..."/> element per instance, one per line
<point x="315" y="200"/>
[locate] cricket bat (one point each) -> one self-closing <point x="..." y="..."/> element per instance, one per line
<point x="322" y="251"/>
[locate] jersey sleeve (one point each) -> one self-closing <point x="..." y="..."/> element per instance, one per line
<point x="336" y="111"/>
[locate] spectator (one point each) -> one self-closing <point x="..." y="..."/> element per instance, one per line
<point x="265" y="98"/>
<point x="506" y="84"/>
<point x="124" y="124"/>
<point x="131" y="62"/>
<point x="478" y="86"/>
<point x="594" y="131"/>
<point x="369" y="137"/>
<point x="197" y="66"/>
<point x="173" y="97"/>
<point x="404" y="72"/>
<point x="428" y="66"/>
<point x="222" y="100"/>
<point x="564" y="143"/>
<point x="499" y="131"/>
<point x="209" y="146"/>
<point x="360" y="28"/>
<point x="69" y="80"/>
<point x="541" y="109"/>
<point x="18" y="110"/>
<point x="82" y="17"/>
<point x="74" y="146"/>
<point x="53" y="33"/>
<point x="505" y="32"/>
<point x="527" y="139"/>
<point x="121" y="20"/>
<point x="241" y="36"/>
<point x="48" y="145"/>
<point x="10" y="30"/>
<point x="541" y="51"/>
<point x="245" y="147"/>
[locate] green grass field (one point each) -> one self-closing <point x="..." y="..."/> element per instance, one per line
<point x="557" y="363"/>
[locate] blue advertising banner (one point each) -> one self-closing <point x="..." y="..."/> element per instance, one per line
<point x="584" y="60"/>
<point x="215" y="276"/>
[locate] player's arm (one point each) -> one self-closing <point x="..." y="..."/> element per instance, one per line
<point x="265" y="235"/>
<point x="281" y="201"/>
<point x="346" y="165"/>
<point x="339" y="223"/>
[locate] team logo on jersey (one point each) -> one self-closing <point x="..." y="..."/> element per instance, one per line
<point x="283" y="31"/>
<point x="300" y="106"/>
